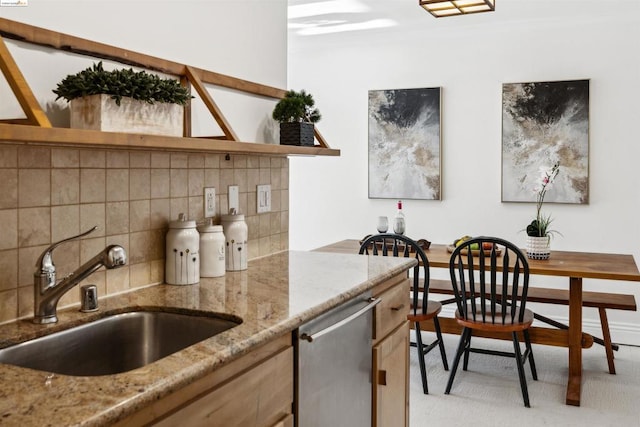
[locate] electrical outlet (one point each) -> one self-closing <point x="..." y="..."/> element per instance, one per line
<point x="234" y="195"/>
<point x="209" y="202"/>
<point x="263" y="201"/>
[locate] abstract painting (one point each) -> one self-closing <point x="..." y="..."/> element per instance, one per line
<point x="544" y="123"/>
<point x="404" y="144"/>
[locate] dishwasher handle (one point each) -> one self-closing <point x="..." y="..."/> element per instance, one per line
<point x="372" y="303"/>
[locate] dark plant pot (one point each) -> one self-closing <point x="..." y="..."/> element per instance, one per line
<point x="296" y="133"/>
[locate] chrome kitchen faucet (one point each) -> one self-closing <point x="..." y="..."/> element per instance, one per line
<point x="47" y="293"/>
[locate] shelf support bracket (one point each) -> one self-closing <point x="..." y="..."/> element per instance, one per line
<point x="26" y="99"/>
<point x="195" y="81"/>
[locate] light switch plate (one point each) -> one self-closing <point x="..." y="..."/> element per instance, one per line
<point x="209" y="202"/>
<point x="234" y="195"/>
<point x="263" y="201"/>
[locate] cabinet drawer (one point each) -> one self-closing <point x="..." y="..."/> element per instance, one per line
<point x="392" y="311"/>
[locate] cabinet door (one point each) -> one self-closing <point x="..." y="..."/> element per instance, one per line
<point x="391" y="379"/>
<point x="260" y="397"/>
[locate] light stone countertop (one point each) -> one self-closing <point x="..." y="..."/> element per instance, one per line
<point x="274" y="296"/>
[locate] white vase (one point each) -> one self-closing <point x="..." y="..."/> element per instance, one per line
<point x="538" y="247"/>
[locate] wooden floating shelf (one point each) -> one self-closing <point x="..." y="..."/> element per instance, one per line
<point x="36" y="129"/>
<point x="18" y="134"/>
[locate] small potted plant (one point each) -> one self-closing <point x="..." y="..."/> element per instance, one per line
<point x="296" y="114"/>
<point x="538" y="231"/>
<point x="124" y="101"/>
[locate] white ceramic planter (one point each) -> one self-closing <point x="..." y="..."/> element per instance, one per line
<point x="100" y="112"/>
<point x="538" y="247"/>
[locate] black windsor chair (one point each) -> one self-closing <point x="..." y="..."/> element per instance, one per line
<point x="490" y="287"/>
<point x="422" y="309"/>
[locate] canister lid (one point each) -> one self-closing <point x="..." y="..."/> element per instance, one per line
<point x="230" y="218"/>
<point x="208" y="227"/>
<point x="182" y="222"/>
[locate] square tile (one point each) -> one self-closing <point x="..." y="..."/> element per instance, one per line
<point x="139" y="215"/>
<point x="160" y="183"/>
<point x="8" y="188"/>
<point x="92" y="185"/>
<point x="91" y="215"/>
<point x="34" y="187"/>
<point x="212" y="178"/>
<point x="140" y="244"/>
<point x="179" y="160"/>
<point x="117" y="280"/>
<point x="65" y="158"/>
<point x="160" y="212"/>
<point x="8" y="156"/>
<point x="65" y="186"/>
<point x="8" y="269"/>
<point x="95" y="159"/>
<point x="34" y="226"/>
<point x="196" y="161"/>
<point x="240" y="179"/>
<point x="117" y="159"/>
<point x="196" y="182"/>
<point x="90" y="246"/>
<point x="212" y="161"/>
<point x="117" y="220"/>
<point x="140" y="274"/>
<point x="8" y="305"/>
<point x="139" y="184"/>
<point x="179" y="182"/>
<point x="179" y="205"/>
<point x="25" y="301"/>
<point x="139" y="159"/>
<point x="34" y="157"/>
<point x="65" y="222"/>
<point x="117" y="185"/>
<point x="160" y="160"/>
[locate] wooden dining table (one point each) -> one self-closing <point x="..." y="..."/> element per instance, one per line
<point x="574" y="265"/>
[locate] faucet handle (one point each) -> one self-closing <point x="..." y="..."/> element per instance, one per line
<point x="45" y="262"/>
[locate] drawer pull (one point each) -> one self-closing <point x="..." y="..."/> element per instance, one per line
<point x="398" y="308"/>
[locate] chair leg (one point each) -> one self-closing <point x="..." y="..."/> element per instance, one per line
<point x="606" y="335"/>
<point x="523" y="380"/>
<point x="465" y="364"/>
<point x="466" y="332"/>
<point x="436" y="326"/>
<point x="532" y="363"/>
<point x="421" y="356"/>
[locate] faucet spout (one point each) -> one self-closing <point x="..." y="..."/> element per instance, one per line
<point x="47" y="291"/>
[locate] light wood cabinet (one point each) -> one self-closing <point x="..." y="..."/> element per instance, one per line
<point x="255" y="390"/>
<point x="390" y="376"/>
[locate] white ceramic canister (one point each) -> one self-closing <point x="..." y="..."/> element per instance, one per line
<point x="182" y="261"/>
<point x="236" y="234"/>
<point x="212" y="245"/>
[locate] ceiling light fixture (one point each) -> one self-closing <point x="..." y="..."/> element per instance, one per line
<point x="443" y="8"/>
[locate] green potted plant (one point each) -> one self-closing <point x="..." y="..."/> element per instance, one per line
<point x="124" y="101"/>
<point x="297" y="115"/>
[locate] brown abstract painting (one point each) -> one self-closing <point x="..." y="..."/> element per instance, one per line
<point x="544" y="123"/>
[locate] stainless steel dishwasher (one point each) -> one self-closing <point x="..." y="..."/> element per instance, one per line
<point x="334" y="366"/>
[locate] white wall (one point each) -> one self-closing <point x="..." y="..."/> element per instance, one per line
<point x="470" y="62"/>
<point x="225" y="36"/>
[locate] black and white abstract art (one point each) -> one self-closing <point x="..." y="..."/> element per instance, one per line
<point x="404" y="144"/>
<point x="544" y="123"/>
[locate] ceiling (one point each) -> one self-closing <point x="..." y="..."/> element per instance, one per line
<point x="328" y="19"/>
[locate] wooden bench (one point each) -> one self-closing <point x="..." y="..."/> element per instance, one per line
<point x="600" y="300"/>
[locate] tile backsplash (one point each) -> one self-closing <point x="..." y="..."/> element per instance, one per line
<point x="48" y="194"/>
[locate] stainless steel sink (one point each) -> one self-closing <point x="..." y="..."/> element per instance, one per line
<point x="116" y="343"/>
